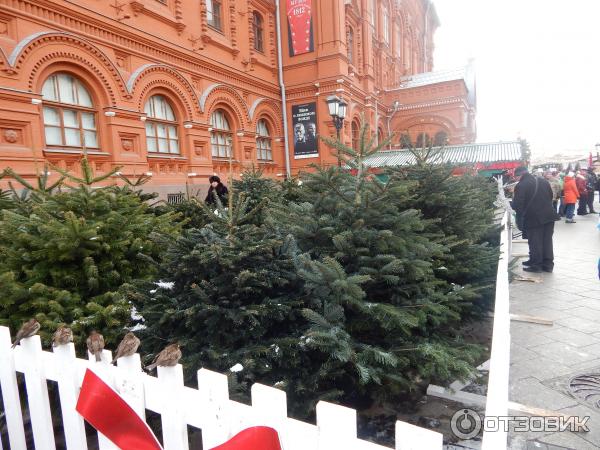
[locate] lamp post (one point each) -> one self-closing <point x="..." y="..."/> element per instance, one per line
<point x="597" y="151"/>
<point x="337" y="111"/>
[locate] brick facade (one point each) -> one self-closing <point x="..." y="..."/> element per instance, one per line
<point x="203" y="56"/>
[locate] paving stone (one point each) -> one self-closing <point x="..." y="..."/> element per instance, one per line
<point x="568" y="440"/>
<point x="591" y="294"/>
<point x="526" y="338"/>
<point x="518" y="353"/>
<point x="585" y="313"/>
<point x="566" y="354"/>
<point x="577" y="323"/>
<point x="589" y="303"/>
<point x="540" y="368"/>
<point x="571" y="337"/>
<point x="593" y="423"/>
<point x="531" y="392"/>
<point x="549" y="313"/>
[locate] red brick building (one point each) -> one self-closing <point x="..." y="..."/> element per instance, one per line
<point x="175" y="87"/>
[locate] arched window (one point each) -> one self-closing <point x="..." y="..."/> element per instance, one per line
<point x="423" y="140"/>
<point x="213" y="13"/>
<point x="441" y="138"/>
<point x="263" y="141"/>
<point x="405" y="141"/>
<point x="257" y="27"/>
<point x="379" y="136"/>
<point x="69" y="114"/>
<point x="355" y="135"/>
<point x="386" y="25"/>
<point x="350" y="45"/>
<point x="161" y="126"/>
<point x="373" y="13"/>
<point x="220" y="136"/>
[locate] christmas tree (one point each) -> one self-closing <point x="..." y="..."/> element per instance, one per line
<point x="65" y="254"/>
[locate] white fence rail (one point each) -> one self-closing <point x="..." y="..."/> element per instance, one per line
<point x="498" y="381"/>
<point x="207" y="408"/>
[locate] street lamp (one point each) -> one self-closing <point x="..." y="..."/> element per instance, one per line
<point x="597" y="151"/>
<point x="337" y="111"/>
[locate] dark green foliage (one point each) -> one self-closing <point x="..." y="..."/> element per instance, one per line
<point x="331" y="292"/>
<point x="64" y="256"/>
<point x="459" y="213"/>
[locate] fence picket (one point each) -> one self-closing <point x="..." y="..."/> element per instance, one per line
<point x="69" y="391"/>
<point x="174" y="429"/>
<point x="129" y="383"/>
<point x="37" y="394"/>
<point x="337" y="426"/>
<point x="104" y="370"/>
<point x="10" y="393"/>
<point x="207" y="407"/>
<point x="214" y="394"/>
<point x="411" y="437"/>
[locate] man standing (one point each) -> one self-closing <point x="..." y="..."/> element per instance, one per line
<point x="533" y="204"/>
<point x="591" y="181"/>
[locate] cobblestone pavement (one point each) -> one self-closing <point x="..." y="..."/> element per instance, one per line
<point x="544" y="358"/>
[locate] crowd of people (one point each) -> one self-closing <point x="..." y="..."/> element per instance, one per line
<point x="544" y="197"/>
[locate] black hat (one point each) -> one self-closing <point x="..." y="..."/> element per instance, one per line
<point x="520" y="171"/>
<point x="214" y="178"/>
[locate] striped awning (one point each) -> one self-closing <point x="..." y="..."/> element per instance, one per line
<point x="451" y="154"/>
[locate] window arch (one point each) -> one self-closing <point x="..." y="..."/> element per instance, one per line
<point x="355" y="135"/>
<point x="220" y="136"/>
<point x="257" y="27"/>
<point x="423" y="140"/>
<point x="350" y="45"/>
<point x="213" y="13"/>
<point x="441" y="138"/>
<point x="385" y="25"/>
<point x="161" y="126"/>
<point x="263" y="141"/>
<point x="69" y="113"/>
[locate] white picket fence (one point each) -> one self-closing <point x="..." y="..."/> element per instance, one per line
<point x="207" y="408"/>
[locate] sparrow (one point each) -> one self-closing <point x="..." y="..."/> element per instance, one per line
<point x="169" y="356"/>
<point x="63" y="335"/>
<point x="95" y="344"/>
<point x="127" y="347"/>
<point x="28" y="329"/>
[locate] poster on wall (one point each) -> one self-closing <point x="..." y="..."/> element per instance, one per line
<point x="304" y="121"/>
<point x="300" y="29"/>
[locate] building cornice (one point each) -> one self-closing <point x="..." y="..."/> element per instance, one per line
<point x="57" y="16"/>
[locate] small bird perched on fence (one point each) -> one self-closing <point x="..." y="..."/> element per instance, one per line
<point x="28" y="329"/>
<point x="63" y="335"/>
<point x="169" y="356"/>
<point x="95" y="344"/>
<point x="127" y="347"/>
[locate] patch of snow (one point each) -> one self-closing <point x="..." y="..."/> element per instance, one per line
<point x="135" y="315"/>
<point x="94" y="238"/>
<point x="165" y="285"/>
<point x="153" y="291"/>
<point x="138" y="327"/>
<point x="237" y="368"/>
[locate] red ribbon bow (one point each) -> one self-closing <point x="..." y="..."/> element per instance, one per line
<point x="108" y="413"/>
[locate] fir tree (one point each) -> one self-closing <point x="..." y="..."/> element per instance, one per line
<point x="65" y="255"/>
<point x="383" y="319"/>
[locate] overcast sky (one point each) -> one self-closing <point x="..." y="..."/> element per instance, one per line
<point x="537" y="67"/>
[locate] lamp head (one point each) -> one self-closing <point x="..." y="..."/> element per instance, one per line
<point x="332" y="104"/>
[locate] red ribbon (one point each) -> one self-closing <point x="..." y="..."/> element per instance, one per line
<point x="108" y="413"/>
<point x="254" y="438"/>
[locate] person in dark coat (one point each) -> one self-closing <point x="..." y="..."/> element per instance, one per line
<point x="219" y="188"/>
<point x="533" y="204"/>
<point x="591" y="181"/>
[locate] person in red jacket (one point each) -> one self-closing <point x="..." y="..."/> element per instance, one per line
<point x="581" y="183"/>
<point x="571" y="194"/>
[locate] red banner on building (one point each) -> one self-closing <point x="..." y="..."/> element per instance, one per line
<point x="300" y="30"/>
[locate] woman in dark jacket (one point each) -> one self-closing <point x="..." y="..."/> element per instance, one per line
<point x="219" y="188"/>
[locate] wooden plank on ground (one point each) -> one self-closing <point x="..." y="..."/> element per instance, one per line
<point x="531" y="319"/>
